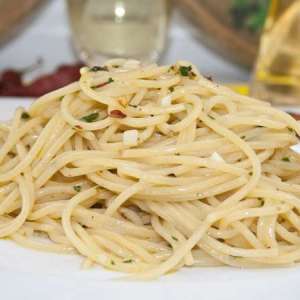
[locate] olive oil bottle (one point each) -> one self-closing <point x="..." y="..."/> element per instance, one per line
<point x="277" y="73"/>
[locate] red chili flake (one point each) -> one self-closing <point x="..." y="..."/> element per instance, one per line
<point x="295" y="116"/>
<point x="101" y="84"/>
<point x="117" y="114"/>
<point x="110" y="80"/>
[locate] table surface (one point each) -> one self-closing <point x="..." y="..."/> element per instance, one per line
<point x="48" y="36"/>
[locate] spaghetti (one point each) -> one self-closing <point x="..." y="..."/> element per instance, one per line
<point x="147" y="169"/>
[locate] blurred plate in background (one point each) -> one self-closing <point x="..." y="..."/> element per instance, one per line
<point x="13" y="13"/>
<point x="230" y="27"/>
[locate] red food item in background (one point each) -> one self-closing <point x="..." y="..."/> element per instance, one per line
<point x="11" y="83"/>
<point x="12" y="76"/>
<point x="295" y="116"/>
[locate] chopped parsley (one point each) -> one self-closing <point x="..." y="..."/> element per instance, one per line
<point x="90" y="118"/>
<point x="128" y="261"/>
<point x="110" y="80"/>
<point x="185" y="70"/>
<point x="174" y="238"/>
<point x="98" y="68"/>
<point x="243" y="137"/>
<point x="211" y="117"/>
<point x="25" y="115"/>
<point x="287" y="159"/>
<point x="290" y="129"/>
<point x="112" y="262"/>
<point x="171" y="89"/>
<point x="77" y="188"/>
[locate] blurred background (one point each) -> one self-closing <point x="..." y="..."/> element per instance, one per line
<point x="43" y="43"/>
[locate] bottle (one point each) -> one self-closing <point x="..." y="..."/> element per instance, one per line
<point x="104" y="29"/>
<point x="277" y="72"/>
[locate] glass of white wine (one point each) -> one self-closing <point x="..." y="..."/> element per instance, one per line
<point x="104" y="29"/>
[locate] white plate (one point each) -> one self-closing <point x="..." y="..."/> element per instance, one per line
<point x="27" y="274"/>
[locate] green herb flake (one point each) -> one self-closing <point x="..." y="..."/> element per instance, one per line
<point x="211" y="117"/>
<point x="110" y="80"/>
<point x="112" y="262"/>
<point x="286" y="159"/>
<point x="171" y="89"/>
<point x="185" y="70"/>
<point x="98" y="68"/>
<point x="25" y="115"/>
<point x="61" y="98"/>
<point x="250" y="173"/>
<point x="174" y="238"/>
<point x="77" y="188"/>
<point x="243" y="137"/>
<point x="128" y="261"/>
<point x="290" y="129"/>
<point x="90" y="118"/>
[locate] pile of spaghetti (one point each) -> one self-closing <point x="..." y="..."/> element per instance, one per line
<point x="147" y="169"/>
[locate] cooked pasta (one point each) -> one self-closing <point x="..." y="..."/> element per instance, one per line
<point x="145" y="169"/>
